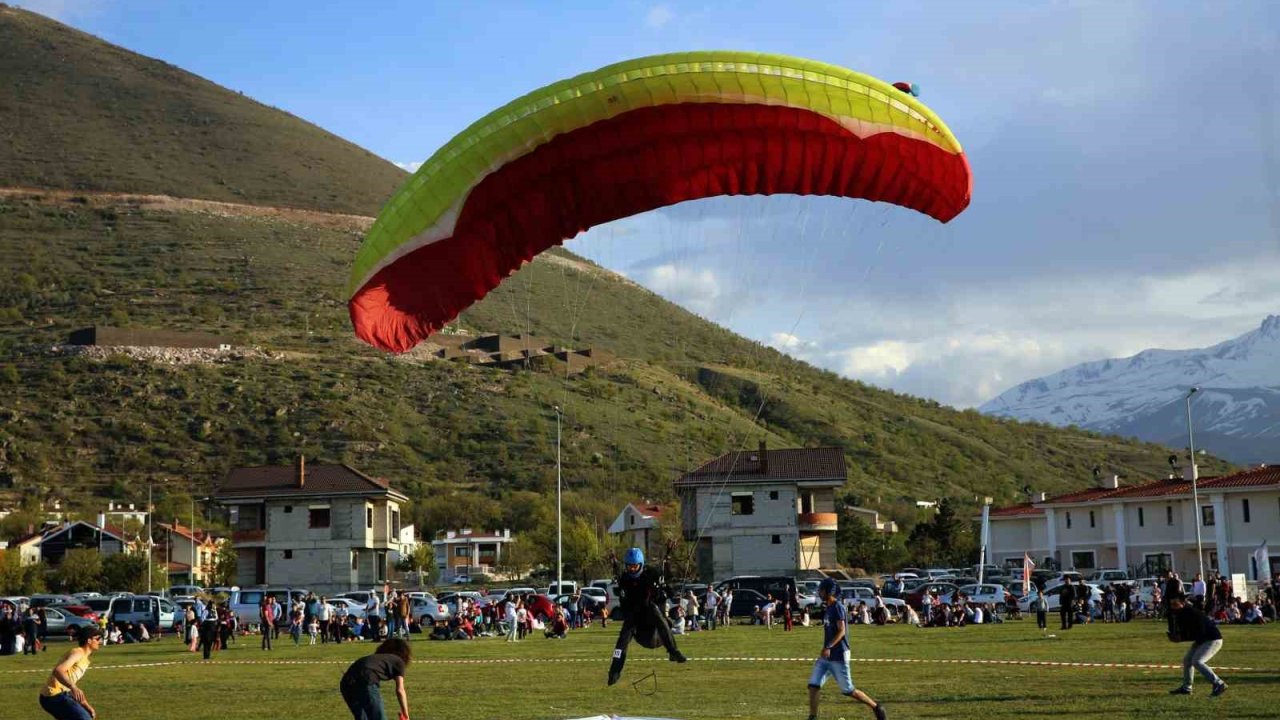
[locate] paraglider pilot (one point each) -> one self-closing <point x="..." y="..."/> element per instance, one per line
<point x="643" y="594"/>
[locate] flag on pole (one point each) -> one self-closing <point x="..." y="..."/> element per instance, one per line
<point x="1027" y="566"/>
<point x="1262" y="561"/>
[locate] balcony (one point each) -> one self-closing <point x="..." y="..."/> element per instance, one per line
<point x="242" y="538"/>
<point x="817" y="521"/>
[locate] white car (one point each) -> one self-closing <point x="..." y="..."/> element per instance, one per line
<point x="858" y="594"/>
<point x="354" y="608"/>
<point x="1056" y="580"/>
<point x="1109" y="577"/>
<point x="985" y="593"/>
<point x="1053" y="596"/>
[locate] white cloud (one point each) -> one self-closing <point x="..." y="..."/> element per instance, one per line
<point x="697" y="290"/>
<point x="409" y="166"/>
<point x="658" y="16"/>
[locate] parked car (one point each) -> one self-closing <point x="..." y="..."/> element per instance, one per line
<point x="775" y="585"/>
<point x="185" y="591"/>
<point x="354" y="609"/>
<point x="599" y="596"/>
<point x="246" y="603"/>
<point x="942" y="589"/>
<point x="62" y="622"/>
<point x="745" y="603"/>
<point x="427" y="611"/>
<point x="611" y="590"/>
<point x="1053" y="597"/>
<point x="1058" y="579"/>
<point x="82" y="610"/>
<point x="45" y="599"/>
<point x="986" y="593"/>
<point x="450" y="599"/>
<point x="861" y="594"/>
<point x="1109" y="576"/>
<point x="157" y="613"/>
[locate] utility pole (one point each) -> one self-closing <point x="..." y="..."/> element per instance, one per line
<point x="559" y="521"/>
<point x="1195" y="491"/>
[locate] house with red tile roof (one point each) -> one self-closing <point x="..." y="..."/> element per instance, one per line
<point x="177" y="545"/>
<point x="639" y="525"/>
<point x="763" y="512"/>
<point x="465" y="552"/>
<point x="326" y="527"/>
<point x="1148" y="527"/>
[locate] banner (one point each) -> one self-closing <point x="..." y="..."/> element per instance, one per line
<point x="1262" y="563"/>
<point x="1027" y="567"/>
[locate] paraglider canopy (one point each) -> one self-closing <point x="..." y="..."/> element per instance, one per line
<point x="633" y="137"/>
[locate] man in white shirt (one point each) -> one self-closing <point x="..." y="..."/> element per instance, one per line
<point x="373" y="612"/>
<point x="713" y="606"/>
<point x="1197" y="592"/>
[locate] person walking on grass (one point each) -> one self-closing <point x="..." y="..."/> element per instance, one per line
<point x="208" y="628"/>
<point x="834" y="659"/>
<point x="1066" y="603"/>
<point x="1041" y="606"/>
<point x="61" y="696"/>
<point x="360" y="685"/>
<point x="1191" y="625"/>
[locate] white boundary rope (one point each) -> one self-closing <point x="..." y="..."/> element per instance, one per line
<point x="516" y="661"/>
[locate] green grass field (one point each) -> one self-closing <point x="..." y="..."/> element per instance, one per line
<point x="739" y="672"/>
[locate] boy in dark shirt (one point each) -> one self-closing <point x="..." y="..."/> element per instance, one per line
<point x="834" y="660"/>
<point x="1191" y="625"/>
<point x="360" y="682"/>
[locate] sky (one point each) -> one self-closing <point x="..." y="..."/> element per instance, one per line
<point x="1126" y="160"/>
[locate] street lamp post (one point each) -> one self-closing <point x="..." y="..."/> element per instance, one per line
<point x="559" y="525"/>
<point x="1195" y="491"/>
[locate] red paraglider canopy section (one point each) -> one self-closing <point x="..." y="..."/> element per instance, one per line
<point x="644" y="159"/>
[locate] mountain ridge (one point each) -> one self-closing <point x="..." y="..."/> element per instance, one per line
<point x="1236" y="410"/>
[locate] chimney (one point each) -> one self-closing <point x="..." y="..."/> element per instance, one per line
<point x="1110" y="483"/>
<point x="102" y="520"/>
<point x="1191" y="473"/>
<point x="1039" y="497"/>
<point x="764" y="458"/>
<point x="302" y="470"/>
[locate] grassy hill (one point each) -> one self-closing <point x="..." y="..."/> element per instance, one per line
<point x="79" y="113"/>
<point x="469" y="444"/>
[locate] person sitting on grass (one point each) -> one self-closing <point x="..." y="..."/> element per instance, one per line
<point x="834" y="659"/>
<point x="1191" y="625"/>
<point x="360" y="685"/>
<point x="61" y="696"/>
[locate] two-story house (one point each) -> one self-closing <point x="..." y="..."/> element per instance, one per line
<point x="329" y="528"/>
<point x="464" y="552"/>
<point x="189" y="554"/>
<point x="1148" y="527"/>
<point x="763" y="512"/>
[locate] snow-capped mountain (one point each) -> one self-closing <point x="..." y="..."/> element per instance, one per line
<point x="1236" y="413"/>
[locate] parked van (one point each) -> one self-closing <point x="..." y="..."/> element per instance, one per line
<point x="246" y="603"/>
<point x="156" y="613"/>
<point x="776" y="585"/>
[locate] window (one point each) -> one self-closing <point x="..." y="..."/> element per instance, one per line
<point x="288" y="554"/>
<point x="462" y="551"/>
<point x="1168" y="514"/>
<point x="288" y="509"/>
<point x="773" y="494"/>
<point x="1244" y="505"/>
<point x="355" y="560"/>
<point x="1142" y="520"/>
<point x="776" y="540"/>
<point x="1091" y="519"/>
<point x="368" y="518"/>
<point x="318" y="517"/>
<point x="381" y="562"/>
<point x="1068" y="520"/>
<point x="250" y="597"/>
<point x="395" y="524"/>
<point x="744" y="504"/>
<point x="1206" y="515"/>
<point x="1082" y="560"/>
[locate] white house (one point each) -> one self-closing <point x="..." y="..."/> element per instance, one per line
<point x="639" y="525"/>
<point x="1149" y="527"/>
<point x="463" y="552"/>
<point x="763" y="512"/>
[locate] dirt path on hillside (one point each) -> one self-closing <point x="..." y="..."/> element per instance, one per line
<point x="167" y="203"/>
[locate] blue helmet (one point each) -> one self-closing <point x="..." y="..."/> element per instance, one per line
<point x="828" y="587"/>
<point x="634" y="556"/>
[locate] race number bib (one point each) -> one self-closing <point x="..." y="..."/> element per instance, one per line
<point x="617" y="652"/>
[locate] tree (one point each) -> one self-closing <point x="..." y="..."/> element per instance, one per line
<point x="124" y="571"/>
<point x="518" y="556"/>
<point x="226" y="562"/>
<point x="422" y="562"/>
<point x="946" y="539"/>
<point x="80" y="570"/>
<point x="19" y="579"/>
